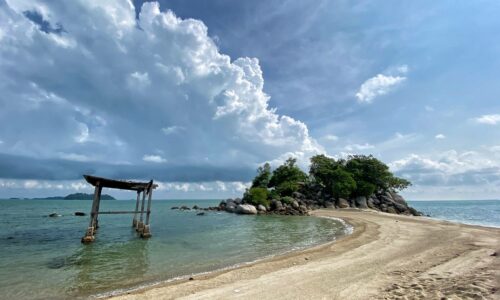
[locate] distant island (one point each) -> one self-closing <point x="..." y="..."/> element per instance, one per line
<point x="75" y="196"/>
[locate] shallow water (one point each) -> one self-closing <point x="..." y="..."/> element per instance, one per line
<point x="43" y="258"/>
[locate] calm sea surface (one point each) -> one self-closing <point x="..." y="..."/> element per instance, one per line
<point x="42" y="257"/>
<point x="475" y="212"/>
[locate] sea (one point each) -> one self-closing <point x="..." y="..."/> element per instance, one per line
<point x="42" y="257"/>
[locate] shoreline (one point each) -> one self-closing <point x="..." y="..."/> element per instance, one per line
<point x="401" y="253"/>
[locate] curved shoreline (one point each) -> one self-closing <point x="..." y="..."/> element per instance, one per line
<point x="385" y="256"/>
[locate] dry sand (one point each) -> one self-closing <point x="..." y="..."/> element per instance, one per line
<point x="386" y="257"/>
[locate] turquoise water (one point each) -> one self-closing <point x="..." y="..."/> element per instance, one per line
<point x="475" y="212"/>
<point x="42" y="257"/>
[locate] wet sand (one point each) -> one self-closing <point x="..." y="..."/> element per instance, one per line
<point x="386" y="257"/>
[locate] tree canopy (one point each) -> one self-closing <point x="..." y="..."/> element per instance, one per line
<point x="358" y="175"/>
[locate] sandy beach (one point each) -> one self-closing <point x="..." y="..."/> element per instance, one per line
<point x="386" y="257"/>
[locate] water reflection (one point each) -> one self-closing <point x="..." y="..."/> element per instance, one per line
<point x="102" y="265"/>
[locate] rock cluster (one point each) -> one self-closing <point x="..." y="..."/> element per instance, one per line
<point x="299" y="204"/>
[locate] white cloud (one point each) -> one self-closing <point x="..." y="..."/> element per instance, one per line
<point x="440" y="136"/>
<point x="449" y="168"/>
<point x="331" y="137"/>
<point x="154" y="159"/>
<point x="129" y="77"/>
<point x="359" y="147"/>
<point x="74" y="157"/>
<point x="488" y="119"/>
<point x="381" y="84"/>
<point x="172" y="129"/>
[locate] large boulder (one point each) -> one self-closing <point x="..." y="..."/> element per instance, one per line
<point x="329" y="204"/>
<point x="361" y="202"/>
<point x="276" y="205"/>
<point x="391" y="210"/>
<point x="246" y="209"/>
<point x="262" y="208"/>
<point x="295" y="204"/>
<point x="342" y="203"/>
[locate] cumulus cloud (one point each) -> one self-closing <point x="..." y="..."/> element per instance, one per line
<point x="488" y="119"/>
<point x="381" y="84"/>
<point x="450" y="168"/>
<point x="439" y="136"/>
<point x="112" y="87"/>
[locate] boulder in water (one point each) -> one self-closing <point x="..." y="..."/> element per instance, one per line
<point x="79" y="213"/>
<point x="54" y="215"/>
<point x="246" y="209"/>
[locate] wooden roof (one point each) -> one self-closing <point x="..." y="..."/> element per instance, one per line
<point x="119" y="184"/>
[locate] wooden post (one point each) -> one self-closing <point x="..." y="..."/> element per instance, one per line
<point x="89" y="234"/>
<point x="96" y="213"/>
<point x="146" y="233"/>
<point x="134" y="221"/>
<point x="140" y="225"/>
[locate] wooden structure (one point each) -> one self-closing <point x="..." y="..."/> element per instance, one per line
<point x="143" y="189"/>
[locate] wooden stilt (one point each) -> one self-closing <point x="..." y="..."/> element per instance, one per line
<point x="89" y="234"/>
<point x="140" y="224"/>
<point x="146" y="233"/>
<point x="134" y="221"/>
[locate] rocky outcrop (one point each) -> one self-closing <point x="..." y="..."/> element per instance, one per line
<point x="301" y="204"/>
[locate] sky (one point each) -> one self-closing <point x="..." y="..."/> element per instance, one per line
<point x="197" y="94"/>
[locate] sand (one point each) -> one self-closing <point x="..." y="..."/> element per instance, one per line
<point x="386" y="257"/>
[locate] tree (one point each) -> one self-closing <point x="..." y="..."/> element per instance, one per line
<point x="263" y="176"/>
<point x="256" y="196"/>
<point x="372" y="175"/>
<point x="287" y="178"/>
<point x="343" y="183"/>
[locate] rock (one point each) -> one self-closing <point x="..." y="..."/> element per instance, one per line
<point x="79" y="213"/>
<point x="196" y="207"/>
<point x="329" y="204"/>
<point x="298" y="195"/>
<point x="398" y="198"/>
<point x="370" y="203"/>
<point x="174" y="207"/>
<point x="391" y="210"/>
<point x="54" y="215"/>
<point x="246" y="209"/>
<point x="261" y="207"/>
<point x="295" y="204"/>
<point x="200" y="214"/>
<point x="342" y="203"/>
<point x="238" y="200"/>
<point x="184" y="207"/>
<point x="276" y="205"/>
<point x="361" y="202"/>
<point x="400" y="207"/>
<point x="231" y="208"/>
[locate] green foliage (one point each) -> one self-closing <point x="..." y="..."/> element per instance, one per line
<point x="263" y="176"/>
<point x="287" y="178"/>
<point x="373" y="175"/>
<point x="287" y="200"/>
<point x="343" y="183"/>
<point x="256" y="196"/>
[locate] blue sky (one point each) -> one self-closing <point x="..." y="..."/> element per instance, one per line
<point x="197" y="94"/>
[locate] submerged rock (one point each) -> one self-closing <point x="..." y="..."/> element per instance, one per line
<point x="54" y="215"/>
<point x="79" y="213"/>
<point x="200" y="214"/>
